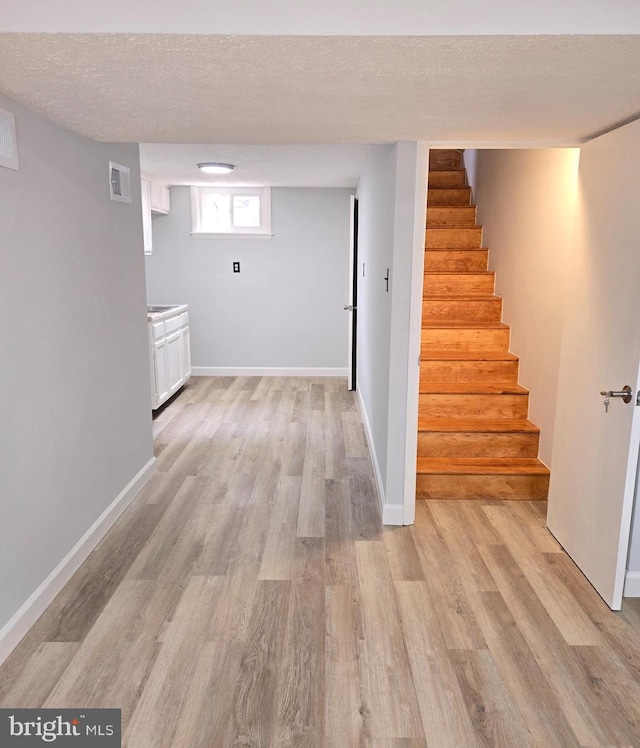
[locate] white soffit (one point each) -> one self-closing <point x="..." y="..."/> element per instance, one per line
<point x="324" y="17"/>
<point x="267" y="89"/>
<point x="256" y="165"/>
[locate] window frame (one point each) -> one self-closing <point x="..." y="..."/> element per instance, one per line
<point x="264" y="193"/>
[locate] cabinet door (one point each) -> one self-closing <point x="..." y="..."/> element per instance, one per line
<point x="156" y="196"/>
<point x="174" y="360"/>
<point x="186" y="354"/>
<point x="160" y="372"/>
<point x="145" y="186"/>
<point x="165" y="197"/>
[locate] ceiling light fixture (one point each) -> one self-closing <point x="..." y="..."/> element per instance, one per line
<point x="211" y="167"/>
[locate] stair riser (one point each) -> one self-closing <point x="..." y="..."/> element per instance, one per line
<point x="456" y="196"/>
<point x="452" y="284"/>
<point x="443" y="339"/>
<point x="445" y="159"/>
<point x="480" y="310"/>
<point x="461" y="216"/>
<point x="453" y="178"/>
<point x="456" y="260"/>
<point x="459" y="238"/>
<point x="514" y="487"/>
<point x="461" y="444"/>
<point x="452" y="405"/>
<point x="498" y="372"/>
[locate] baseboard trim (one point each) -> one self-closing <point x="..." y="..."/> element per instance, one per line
<point x="18" y="626"/>
<point x="267" y="371"/>
<point x="632" y="584"/>
<point x="392" y="514"/>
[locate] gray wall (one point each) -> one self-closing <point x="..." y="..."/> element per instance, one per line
<point x="376" y="194"/>
<point x="285" y="307"/>
<point x="392" y="194"/>
<point x="74" y="379"/>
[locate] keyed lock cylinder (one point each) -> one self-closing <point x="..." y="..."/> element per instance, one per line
<point x="624" y="394"/>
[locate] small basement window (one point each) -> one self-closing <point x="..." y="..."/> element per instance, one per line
<point x="230" y="211"/>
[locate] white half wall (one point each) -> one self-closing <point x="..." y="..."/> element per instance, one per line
<point x="284" y="309"/>
<point x="392" y="210"/>
<point x="526" y="203"/>
<point x="75" y="413"/>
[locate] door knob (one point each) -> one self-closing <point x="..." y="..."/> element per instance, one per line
<point x="624" y="393"/>
<point x="350" y="308"/>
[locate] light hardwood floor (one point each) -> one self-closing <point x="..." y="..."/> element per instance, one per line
<point x="251" y="597"/>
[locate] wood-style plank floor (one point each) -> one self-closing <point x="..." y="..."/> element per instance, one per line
<point x="250" y="597"/>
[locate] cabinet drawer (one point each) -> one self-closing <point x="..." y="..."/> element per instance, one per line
<point x="157" y="330"/>
<point x="172" y="324"/>
<point x="184" y="319"/>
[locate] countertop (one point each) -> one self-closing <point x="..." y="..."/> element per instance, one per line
<point x="170" y="311"/>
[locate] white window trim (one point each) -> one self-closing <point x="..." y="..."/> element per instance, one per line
<point x="262" y="232"/>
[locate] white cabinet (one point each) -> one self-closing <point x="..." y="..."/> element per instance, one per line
<point x="160" y="198"/>
<point x="186" y="351"/>
<point x="169" y="353"/>
<point x="160" y="381"/>
<point x="156" y="198"/>
<point x="175" y="367"/>
<point x="145" y="187"/>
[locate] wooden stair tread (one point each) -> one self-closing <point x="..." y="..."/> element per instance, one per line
<point x="466" y="325"/>
<point x="478" y="425"/>
<point x="455" y="249"/>
<point x="476" y="227"/>
<point x="481" y="466"/>
<point x="463" y="297"/>
<point x="467" y="356"/>
<point x="462" y="187"/>
<point x="471" y="388"/>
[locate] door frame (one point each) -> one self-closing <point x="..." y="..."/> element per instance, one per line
<point x="353" y="294"/>
<point x="414" y="332"/>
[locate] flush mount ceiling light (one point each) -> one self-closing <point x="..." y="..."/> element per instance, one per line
<point x="212" y="167"/>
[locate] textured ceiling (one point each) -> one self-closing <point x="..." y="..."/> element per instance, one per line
<point x="273" y="165"/>
<point x="259" y="89"/>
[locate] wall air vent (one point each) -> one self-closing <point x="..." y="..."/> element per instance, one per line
<point x="8" y="143"/>
<point x="119" y="182"/>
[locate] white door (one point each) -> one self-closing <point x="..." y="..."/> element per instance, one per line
<point x="595" y="454"/>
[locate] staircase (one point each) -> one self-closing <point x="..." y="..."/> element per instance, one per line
<point x="474" y="438"/>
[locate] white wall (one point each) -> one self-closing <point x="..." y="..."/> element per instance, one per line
<point x="357" y="17"/>
<point x="526" y="201"/>
<point x="75" y="415"/>
<point x="392" y="194"/>
<point x="285" y="307"/>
